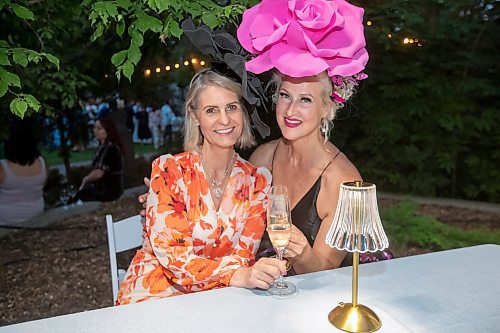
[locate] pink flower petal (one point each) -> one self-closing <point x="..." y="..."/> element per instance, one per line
<point x="259" y="64"/>
<point x="244" y="30"/>
<point x="295" y="62"/>
<point x="348" y="66"/>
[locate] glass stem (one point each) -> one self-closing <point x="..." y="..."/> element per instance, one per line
<point x="279" y="252"/>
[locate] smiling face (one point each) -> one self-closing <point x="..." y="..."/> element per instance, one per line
<point x="300" y="107"/>
<point x="220" y="116"/>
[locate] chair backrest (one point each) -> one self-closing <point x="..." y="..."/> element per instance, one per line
<point x="122" y="235"/>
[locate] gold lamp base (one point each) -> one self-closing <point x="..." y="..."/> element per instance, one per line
<point x="356" y="319"/>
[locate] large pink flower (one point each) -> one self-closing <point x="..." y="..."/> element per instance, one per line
<point x="304" y="37"/>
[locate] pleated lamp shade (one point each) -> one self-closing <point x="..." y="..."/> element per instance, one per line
<point x="356" y="225"/>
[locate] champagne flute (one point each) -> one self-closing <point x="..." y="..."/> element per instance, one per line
<point x="279" y="228"/>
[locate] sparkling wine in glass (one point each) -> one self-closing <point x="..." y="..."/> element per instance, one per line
<point x="279" y="228"/>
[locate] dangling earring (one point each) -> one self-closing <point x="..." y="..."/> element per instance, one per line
<point x="324" y="126"/>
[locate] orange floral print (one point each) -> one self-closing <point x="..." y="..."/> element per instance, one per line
<point x="188" y="245"/>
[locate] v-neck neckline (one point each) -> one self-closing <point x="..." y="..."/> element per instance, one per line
<point x="224" y="193"/>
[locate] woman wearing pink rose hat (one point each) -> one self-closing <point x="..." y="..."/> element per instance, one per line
<point x="317" y="49"/>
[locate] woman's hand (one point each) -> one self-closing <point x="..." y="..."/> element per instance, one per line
<point x="297" y="246"/>
<point x="143" y="198"/>
<point x="261" y="275"/>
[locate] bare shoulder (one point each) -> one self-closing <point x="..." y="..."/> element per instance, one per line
<point x="263" y="154"/>
<point x="340" y="170"/>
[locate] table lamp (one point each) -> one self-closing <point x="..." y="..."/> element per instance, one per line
<point x="356" y="228"/>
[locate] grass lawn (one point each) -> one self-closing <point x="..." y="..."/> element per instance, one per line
<point x="405" y="228"/>
<point x="53" y="158"/>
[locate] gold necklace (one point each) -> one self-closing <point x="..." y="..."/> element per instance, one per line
<point x="217" y="185"/>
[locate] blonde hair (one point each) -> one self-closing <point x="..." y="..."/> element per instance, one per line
<point x="193" y="137"/>
<point x="345" y="91"/>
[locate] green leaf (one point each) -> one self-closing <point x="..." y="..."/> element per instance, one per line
<point x="134" y="54"/>
<point x="4" y="44"/>
<point x="18" y="107"/>
<point x="97" y="33"/>
<point x="52" y="59"/>
<point x="4" y="59"/>
<point x="155" y="24"/>
<point x="120" y="28"/>
<point x="3" y="88"/>
<point x="125" y="4"/>
<point x="111" y="9"/>
<point x="33" y="56"/>
<point x="161" y="5"/>
<point x="137" y="38"/>
<point x="128" y="70"/>
<point x="19" y="57"/>
<point x="32" y="102"/>
<point x="118" y="58"/>
<point x="9" y="78"/>
<point x="227" y="11"/>
<point x="175" y="29"/>
<point x="22" y="12"/>
<point x="210" y="19"/>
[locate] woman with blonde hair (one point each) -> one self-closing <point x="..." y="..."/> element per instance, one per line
<point x="205" y="212"/>
<point x="317" y="50"/>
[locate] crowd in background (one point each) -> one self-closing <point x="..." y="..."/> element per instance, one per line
<point x="148" y="124"/>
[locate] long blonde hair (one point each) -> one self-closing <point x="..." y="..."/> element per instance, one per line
<point x="193" y="137"/>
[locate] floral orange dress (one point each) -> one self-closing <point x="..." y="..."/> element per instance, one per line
<point x="188" y="245"/>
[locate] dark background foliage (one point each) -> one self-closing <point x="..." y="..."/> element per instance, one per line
<point x="425" y="122"/>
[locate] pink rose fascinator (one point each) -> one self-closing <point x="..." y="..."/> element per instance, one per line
<point x="306" y="37"/>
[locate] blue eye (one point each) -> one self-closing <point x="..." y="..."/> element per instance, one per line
<point x="284" y="96"/>
<point x="210" y="110"/>
<point x="306" y="100"/>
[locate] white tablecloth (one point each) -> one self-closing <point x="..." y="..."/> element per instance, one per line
<point x="450" y="291"/>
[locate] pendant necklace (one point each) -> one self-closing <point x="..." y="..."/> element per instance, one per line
<point x="217" y="185"/>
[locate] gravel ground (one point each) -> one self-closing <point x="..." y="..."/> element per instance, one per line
<point x="64" y="268"/>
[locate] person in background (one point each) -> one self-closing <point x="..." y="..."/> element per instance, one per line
<point x="143" y="132"/>
<point x="168" y="118"/>
<point x="23" y="173"/>
<point x="155" y="121"/>
<point x="205" y="212"/>
<point x="105" y="181"/>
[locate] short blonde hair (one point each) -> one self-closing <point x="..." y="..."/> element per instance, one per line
<point x="193" y="137"/>
<point x="345" y="91"/>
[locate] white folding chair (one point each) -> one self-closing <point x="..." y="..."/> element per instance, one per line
<point x="122" y="235"/>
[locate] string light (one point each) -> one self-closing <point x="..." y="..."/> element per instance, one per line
<point x="167" y="68"/>
<point x="202" y="63"/>
<point x="158" y="70"/>
<point x="194" y="61"/>
<point x="369" y="23"/>
<point x="186" y="63"/>
<point x="389" y="36"/>
<point x="177" y="65"/>
<point x="147" y="72"/>
<point x="406" y="41"/>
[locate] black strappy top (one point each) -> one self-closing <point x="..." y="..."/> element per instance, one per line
<point x="305" y="213"/>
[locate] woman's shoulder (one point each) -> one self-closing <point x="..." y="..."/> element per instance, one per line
<point x="254" y="171"/>
<point x="340" y="170"/>
<point x="263" y="154"/>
